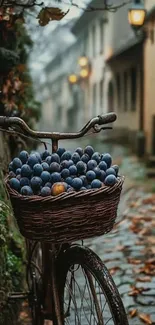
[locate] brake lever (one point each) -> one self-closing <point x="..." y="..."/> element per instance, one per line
<point x="97" y="129"/>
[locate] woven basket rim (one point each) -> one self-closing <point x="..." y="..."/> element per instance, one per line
<point x="63" y="196"/>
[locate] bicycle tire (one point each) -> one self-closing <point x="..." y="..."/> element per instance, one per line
<point x="88" y="260"/>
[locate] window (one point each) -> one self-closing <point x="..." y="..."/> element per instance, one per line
<point x="101" y="35"/>
<point x="125" y="77"/>
<point x="94" y="97"/>
<point x="94" y="40"/>
<point x="133" y="79"/>
<point x="101" y="94"/>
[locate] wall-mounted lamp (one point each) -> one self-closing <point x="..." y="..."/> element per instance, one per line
<point x="137" y="14"/>
<point x="84" y="73"/>
<point x="83" y="61"/>
<point x="72" y="78"/>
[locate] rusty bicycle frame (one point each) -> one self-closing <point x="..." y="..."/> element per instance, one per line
<point x="51" y="303"/>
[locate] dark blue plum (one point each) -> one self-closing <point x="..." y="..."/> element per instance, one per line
<point x="55" y="158"/>
<point x="23" y="156"/>
<point x="116" y="168"/>
<point x="54" y="167"/>
<point x="48" y="185"/>
<point x="55" y="177"/>
<point x="11" y="167"/>
<point x="65" y="173"/>
<point x="90" y="175"/>
<point x="16" y="163"/>
<point x="79" y="151"/>
<point x="15" y="184"/>
<point x="96" y="183"/>
<point x="45" y="176"/>
<point x="12" y="174"/>
<point x="102" y="165"/>
<point x="81" y="167"/>
<point x="37" y="169"/>
<point x="70" y="163"/>
<point x="26" y="171"/>
<point x="45" y="191"/>
<point x="18" y="171"/>
<point x="75" y="157"/>
<point x="110" y="180"/>
<point x="70" y="189"/>
<point x="36" y="183"/>
<point x="48" y="160"/>
<point x="24" y="181"/>
<point x="107" y="158"/>
<point x="45" y="166"/>
<point x="73" y="170"/>
<point x="82" y="188"/>
<point x="96" y="156"/>
<point x="102" y="176"/>
<point x="45" y="154"/>
<point x="60" y="151"/>
<point x="89" y="151"/>
<point x="77" y="183"/>
<point x="65" y="164"/>
<point x="26" y="190"/>
<point x="85" y="158"/>
<point x="91" y="164"/>
<point x="84" y="180"/>
<point x="38" y="156"/>
<point x="18" y="177"/>
<point x="97" y="171"/>
<point x="32" y="160"/>
<point x="110" y="171"/>
<point x="66" y="155"/>
<point x="69" y="180"/>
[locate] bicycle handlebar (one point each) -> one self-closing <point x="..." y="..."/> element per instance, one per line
<point x="6" y="122"/>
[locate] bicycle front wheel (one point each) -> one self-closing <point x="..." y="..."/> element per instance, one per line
<point x="88" y="294"/>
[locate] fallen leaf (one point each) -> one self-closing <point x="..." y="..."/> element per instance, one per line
<point x="113" y="270"/>
<point x="135" y="291"/>
<point x="133" y="313"/>
<point x="145" y="318"/>
<point x="134" y="261"/>
<point x="151" y="240"/>
<point x="144" y="279"/>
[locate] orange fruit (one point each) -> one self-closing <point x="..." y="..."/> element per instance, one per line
<point x="58" y="188"/>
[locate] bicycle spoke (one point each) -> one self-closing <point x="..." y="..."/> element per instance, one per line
<point x="84" y="300"/>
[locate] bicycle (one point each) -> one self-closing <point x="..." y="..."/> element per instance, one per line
<point x="53" y="270"/>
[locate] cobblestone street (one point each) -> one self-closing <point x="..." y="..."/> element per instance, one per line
<point x="128" y="251"/>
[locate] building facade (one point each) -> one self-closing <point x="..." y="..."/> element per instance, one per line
<point x="121" y="78"/>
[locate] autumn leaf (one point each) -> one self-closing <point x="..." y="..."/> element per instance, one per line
<point x="47" y="14"/>
<point x="145" y="318"/>
<point x="135" y="291"/>
<point x="113" y="270"/>
<point x="144" y="279"/>
<point x="134" y="261"/>
<point x="133" y="313"/>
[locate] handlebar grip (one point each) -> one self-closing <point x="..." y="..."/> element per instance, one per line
<point x="107" y="118"/>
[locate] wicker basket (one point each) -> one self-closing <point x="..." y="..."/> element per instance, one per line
<point x="67" y="217"/>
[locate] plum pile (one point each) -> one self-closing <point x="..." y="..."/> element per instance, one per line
<point x="51" y="174"/>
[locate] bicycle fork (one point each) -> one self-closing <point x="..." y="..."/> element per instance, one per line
<point x="52" y="309"/>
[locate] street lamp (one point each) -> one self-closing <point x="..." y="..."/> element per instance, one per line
<point x="137" y="14"/>
<point x="83" y="61"/>
<point x="72" y="78"/>
<point x="84" y="73"/>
